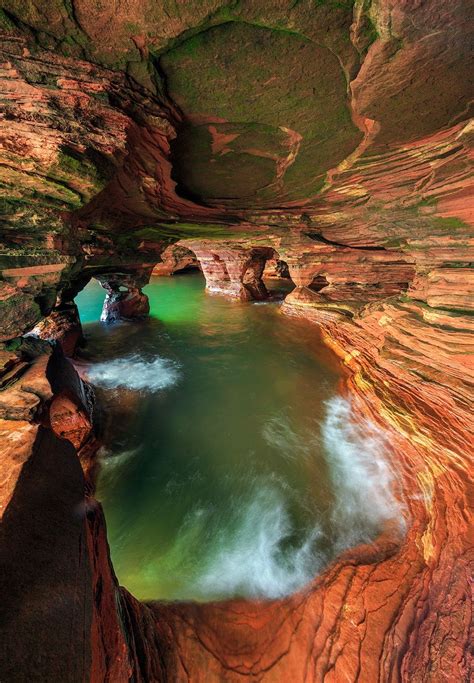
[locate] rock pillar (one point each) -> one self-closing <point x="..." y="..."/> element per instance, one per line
<point x="125" y="299"/>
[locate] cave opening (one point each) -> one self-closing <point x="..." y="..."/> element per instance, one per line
<point x="318" y="283"/>
<point x="191" y="268"/>
<point x="90" y="301"/>
<point x="277" y="268"/>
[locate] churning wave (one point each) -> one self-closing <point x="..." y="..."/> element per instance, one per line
<point x="257" y="552"/>
<point x="133" y="372"/>
<point x="361" y="476"/>
<point x="244" y="555"/>
<point x="254" y="563"/>
<point x="252" y="548"/>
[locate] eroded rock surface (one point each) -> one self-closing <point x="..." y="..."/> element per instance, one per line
<point x="124" y="298"/>
<point x="175" y="259"/>
<point x="332" y="137"/>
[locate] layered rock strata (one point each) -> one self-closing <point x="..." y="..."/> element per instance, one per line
<point x="232" y="269"/>
<point x="332" y="137"/>
<point x="175" y="259"/>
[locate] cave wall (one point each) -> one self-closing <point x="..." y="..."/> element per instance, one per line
<point x="334" y="136"/>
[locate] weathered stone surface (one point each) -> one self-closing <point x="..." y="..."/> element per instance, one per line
<point x="176" y="258"/>
<point x="332" y="136"/>
<point x="276" y="268"/>
<point x="124" y="299"/>
<point x="62" y="325"/>
<point x="232" y="269"/>
<point x="62" y="618"/>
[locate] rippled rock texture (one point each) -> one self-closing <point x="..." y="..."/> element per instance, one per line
<point x="332" y="138"/>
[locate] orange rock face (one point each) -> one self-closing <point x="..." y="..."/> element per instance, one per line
<point x="62" y="325"/>
<point x="330" y="138"/>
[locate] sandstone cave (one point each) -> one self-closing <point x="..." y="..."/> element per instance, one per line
<point x="236" y="351"/>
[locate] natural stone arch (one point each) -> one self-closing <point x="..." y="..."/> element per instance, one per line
<point x="318" y="283"/>
<point x="176" y="258"/>
<point x="235" y="269"/>
<point x="63" y="323"/>
<point x="124" y="299"/>
<point x="252" y="275"/>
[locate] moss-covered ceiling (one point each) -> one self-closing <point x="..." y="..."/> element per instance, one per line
<point x="127" y="114"/>
<point x="265" y="115"/>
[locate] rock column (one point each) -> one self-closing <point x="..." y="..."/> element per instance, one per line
<point x="233" y="271"/>
<point x="125" y="299"/>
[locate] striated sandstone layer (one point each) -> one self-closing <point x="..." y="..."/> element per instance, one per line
<point x="326" y="141"/>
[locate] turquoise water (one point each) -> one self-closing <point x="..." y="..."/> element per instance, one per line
<point x="230" y="464"/>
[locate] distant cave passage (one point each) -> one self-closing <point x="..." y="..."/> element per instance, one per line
<point x="190" y="268"/>
<point x="318" y="283"/>
<point x="276" y="268"/>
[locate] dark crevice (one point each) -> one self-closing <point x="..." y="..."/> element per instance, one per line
<point x="17" y="23"/>
<point x="318" y="237"/>
<point x="318" y="283"/>
<point x="187" y="269"/>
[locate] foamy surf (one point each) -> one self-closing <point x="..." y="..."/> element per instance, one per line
<point x="245" y="555"/>
<point x="133" y="372"/>
<point x="253" y="562"/>
<point x="254" y="548"/>
<point x="361" y="475"/>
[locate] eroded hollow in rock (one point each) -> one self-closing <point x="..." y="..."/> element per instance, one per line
<point x="318" y="283"/>
<point x="337" y="134"/>
<point x="276" y="268"/>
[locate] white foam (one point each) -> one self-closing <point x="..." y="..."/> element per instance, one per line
<point x="133" y="372"/>
<point x="243" y="557"/>
<point x="361" y="474"/>
<point x="251" y="561"/>
<point x="252" y="548"/>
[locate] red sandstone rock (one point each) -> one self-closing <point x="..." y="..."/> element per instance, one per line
<point x="275" y="268"/>
<point x="232" y="269"/>
<point x="373" y="217"/>
<point x="69" y="421"/>
<point x="62" y="325"/>
<point x="175" y="258"/>
<point x="125" y="299"/>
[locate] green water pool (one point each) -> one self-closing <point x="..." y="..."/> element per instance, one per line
<point x="230" y="465"/>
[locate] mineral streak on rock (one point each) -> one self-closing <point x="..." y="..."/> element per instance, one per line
<point x="332" y="137"/>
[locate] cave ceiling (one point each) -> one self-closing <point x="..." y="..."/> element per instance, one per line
<point x="211" y="112"/>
